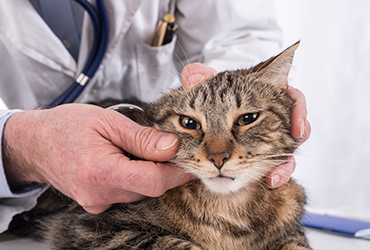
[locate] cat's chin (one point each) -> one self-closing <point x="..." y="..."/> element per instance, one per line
<point x="223" y="185"/>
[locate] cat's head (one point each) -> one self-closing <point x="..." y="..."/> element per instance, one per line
<point x="235" y="127"/>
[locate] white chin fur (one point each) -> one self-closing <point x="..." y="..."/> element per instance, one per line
<point x="223" y="185"/>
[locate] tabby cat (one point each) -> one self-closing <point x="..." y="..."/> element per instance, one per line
<point x="234" y="129"/>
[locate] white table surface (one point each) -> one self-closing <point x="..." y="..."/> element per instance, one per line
<point x="319" y="240"/>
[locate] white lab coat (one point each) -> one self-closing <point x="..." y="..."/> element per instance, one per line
<point x="35" y="67"/>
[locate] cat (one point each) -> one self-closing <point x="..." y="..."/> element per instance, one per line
<point x="234" y="129"/>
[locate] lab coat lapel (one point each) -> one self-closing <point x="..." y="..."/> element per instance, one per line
<point x="31" y="35"/>
<point x="120" y="16"/>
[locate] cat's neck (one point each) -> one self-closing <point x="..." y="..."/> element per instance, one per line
<point x="221" y="210"/>
<point x="240" y="210"/>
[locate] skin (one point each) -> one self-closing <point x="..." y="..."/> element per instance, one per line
<point x="77" y="148"/>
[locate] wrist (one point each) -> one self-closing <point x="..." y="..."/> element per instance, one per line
<point x="18" y="170"/>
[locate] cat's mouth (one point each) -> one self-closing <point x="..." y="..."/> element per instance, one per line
<point x="223" y="184"/>
<point x="221" y="176"/>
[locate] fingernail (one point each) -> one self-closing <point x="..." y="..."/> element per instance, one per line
<point x="301" y="132"/>
<point x="194" y="80"/>
<point x="275" y="180"/>
<point x="166" y="142"/>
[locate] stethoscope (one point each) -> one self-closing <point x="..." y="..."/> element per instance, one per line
<point x="101" y="34"/>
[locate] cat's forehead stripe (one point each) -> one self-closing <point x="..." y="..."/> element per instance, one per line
<point x="191" y="102"/>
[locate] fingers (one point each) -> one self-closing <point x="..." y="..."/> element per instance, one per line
<point x="83" y="159"/>
<point x="134" y="182"/>
<point x="116" y="178"/>
<point x="306" y="132"/>
<point x="281" y="174"/>
<point x="149" y="143"/>
<point x="149" y="178"/>
<point x="300" y="127"/>
<point x="97" y="209"/>
<point x="143" y="142"/>
<point x="195" y="74"/>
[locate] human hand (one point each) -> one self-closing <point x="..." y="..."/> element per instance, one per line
<point x="197" y="73"/>
<point x="300" y="129"/>
<point x="78" y="149"/>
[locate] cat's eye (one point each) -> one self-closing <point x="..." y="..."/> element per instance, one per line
<point x="189" y="123"/>
<point x="247" y="119"/>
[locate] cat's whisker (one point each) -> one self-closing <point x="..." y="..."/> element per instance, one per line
<point x="173" y="73"/>
<point x="157" y="78"/>
<point x="184" y="53"/>
<point x="278" y="162"/>
<point x="275" y="155"/>
<point x="232" y="156"/>
<point x="182" y="63"/>
<point x="282" y="174"/>
<point x="179" y="58"/>
<point x="262" y="185"/>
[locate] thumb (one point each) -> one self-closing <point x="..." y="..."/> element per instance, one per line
<point x="97" y="209"/>
<point x="144" y="142"/>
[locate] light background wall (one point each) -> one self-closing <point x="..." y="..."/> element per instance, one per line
<point x="332" y="68"/>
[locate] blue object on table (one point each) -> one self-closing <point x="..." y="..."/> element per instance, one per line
<point x="356" y="228"/>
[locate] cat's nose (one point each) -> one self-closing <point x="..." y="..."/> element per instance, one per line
<point x="218" y="159"/>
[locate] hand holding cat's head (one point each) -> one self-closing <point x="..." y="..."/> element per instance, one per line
<point x="235" y="127"/>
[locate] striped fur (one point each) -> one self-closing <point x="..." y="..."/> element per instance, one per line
<point x="230" y="206"/>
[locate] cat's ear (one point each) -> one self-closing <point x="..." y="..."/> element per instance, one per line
<point x="276" y="69"/>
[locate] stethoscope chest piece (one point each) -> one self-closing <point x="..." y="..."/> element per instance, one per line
<point x="130" y="110"/>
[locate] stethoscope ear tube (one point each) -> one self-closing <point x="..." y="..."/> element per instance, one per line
<point x="101" y="36"/>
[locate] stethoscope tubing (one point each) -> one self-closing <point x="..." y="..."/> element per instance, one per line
<point x="94" y="16"/>
<point x="104" y="39"/>
<point x="101" y="36"/>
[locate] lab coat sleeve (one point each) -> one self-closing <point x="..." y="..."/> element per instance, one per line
<point x="10" y="203"/>
<point x="229" y="35"/>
